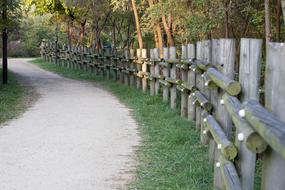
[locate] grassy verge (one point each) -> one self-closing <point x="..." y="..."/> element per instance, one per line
<point x="170" y="156"/>
<point x="14" y="99"/>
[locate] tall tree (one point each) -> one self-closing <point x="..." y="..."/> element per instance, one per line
<point x="167" y="24"/>
<point x="5" y="41"/>
<point x="268" y="34"/>
<point x="138" y="26"/>
<point x="283" y="8"/>
<point x="10" y="14"/>
<point x="156" y="28"/>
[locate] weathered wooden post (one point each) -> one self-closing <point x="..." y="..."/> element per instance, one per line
<point x="73" y="54"/>
<point x="42" y="49"/>
<point x="173" y="90"/>
<point x="226" y="65"/>
<point x="107" y="64"/>
<point x="51" y="50"/>
<point x="61" y="55"/>
<point x="215" y="55"/>
<point x="121" y="68"/>
<point x="203" y="55"/>
<point x="132" y="67"/>
<point x="156" y="56"/>
<point x="144" y="69"/>
<point x="249" y="77"/>
<point x="273" y="163"/>
<point x="165" y="66"/>
<point x="126" y="63"/>
<point x="152" y="72"/>
<point x="115" y="66"/>
<point x="191" y="81"/>
<point x="86" y="59"/>
<point x="184" y="72"/>
<point x="141" y="66"/>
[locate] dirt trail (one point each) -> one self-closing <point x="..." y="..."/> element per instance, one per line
<point x="76" y="136"/>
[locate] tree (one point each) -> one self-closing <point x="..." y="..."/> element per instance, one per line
<point x="5" y="41"/>
<point x="268" y="34"/>
<point x="9" y="15"/>
<point x="138" y="26"/>
<point x="283" y="8"/>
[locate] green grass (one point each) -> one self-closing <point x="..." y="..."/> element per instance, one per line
<point x="170" y="156"/>
<point x="13" y="99"/>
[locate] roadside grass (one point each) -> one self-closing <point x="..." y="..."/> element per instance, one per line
<point x="170" y="155"/>
<point x="13" y="99"/>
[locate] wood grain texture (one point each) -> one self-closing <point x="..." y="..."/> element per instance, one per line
<point x="173" y="89"/>
<point x="274" y="164"/>
<point x="156" y="54"/>
<point x="249" y="78"/>
<point x="152" y="72"/>
<point x="184" y="94"/>
<point x="191" y="80"/>
<point x="165" y="74"/>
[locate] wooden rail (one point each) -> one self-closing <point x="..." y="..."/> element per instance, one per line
<point x="226" y="108"/>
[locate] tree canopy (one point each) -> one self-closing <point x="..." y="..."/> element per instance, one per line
<point x="148" y="23"/>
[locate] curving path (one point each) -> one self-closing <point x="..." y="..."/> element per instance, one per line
<point x="76" y="136"/>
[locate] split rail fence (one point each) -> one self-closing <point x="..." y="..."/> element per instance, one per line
<point x="219" y="94"/>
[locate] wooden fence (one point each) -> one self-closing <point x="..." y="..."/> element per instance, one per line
<point x="219" y="94"/>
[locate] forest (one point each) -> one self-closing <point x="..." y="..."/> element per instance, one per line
<point x="138" y="23"/>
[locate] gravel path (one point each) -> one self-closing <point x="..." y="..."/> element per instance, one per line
<point x="76" y="136"/>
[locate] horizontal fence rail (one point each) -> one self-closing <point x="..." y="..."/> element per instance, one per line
<point x="209" y="88"/>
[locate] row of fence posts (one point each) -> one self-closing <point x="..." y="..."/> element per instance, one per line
<point x="227" y="112"/>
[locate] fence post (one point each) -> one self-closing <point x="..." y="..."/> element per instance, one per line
<point x="273" y="164"/>
<point x="191" y="81"/>
<point x="132" y="67"/>
<point x="214" y="97"/>
<point x="165" y="74"/>
<point x="126" y="66"/>
<point x="152" y="71"/>
<point x="156" y="54"/>
<point x="144" y="70"/>
<point x="226" y="64"/>
<point x="121" y="68"/>
<point x="173" y="90"/>
<point x="139" y="69"/>
<point x="249" y="77"/>
<point x="203" y="54"/>
<point x="184" y="93"/>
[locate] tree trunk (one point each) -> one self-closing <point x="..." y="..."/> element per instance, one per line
<point x="159" y="36"/>
<point x="4" y="43"/>
<point x="283" y="8"/>
<point x="82" y="32"/>
<point x="157" y="30"/>
<point x="155" y="37"/>
<point x="114" y="36"/>
<point x="278" y="20"/>
<point x="128" y="42"/>
<point x="168" y="30"/>
<point x="69" y="32"/>
<point x="226" y="7"/>
<point x="137" y="20"/>
<point x="268" y="34"/>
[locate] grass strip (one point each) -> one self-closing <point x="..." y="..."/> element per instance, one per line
<point x="14" y="99"/>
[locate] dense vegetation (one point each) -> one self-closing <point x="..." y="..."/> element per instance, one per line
<point x="141" y="23"/>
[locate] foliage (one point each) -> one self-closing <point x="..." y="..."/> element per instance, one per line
<point x="13" y="8"/>
<point x="99" y="22"/>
